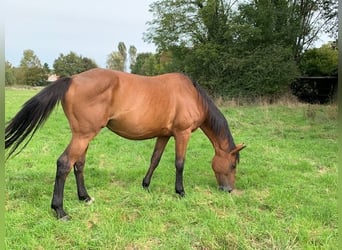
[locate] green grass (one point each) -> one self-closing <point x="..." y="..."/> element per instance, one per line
<point x="287" y="177"/>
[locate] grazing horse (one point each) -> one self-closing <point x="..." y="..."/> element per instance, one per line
<point x="134" y="107"/>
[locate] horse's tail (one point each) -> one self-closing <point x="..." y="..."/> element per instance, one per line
<point x="33" y="114"/>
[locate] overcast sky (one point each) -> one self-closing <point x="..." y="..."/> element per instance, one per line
<point x="90" y="28"/>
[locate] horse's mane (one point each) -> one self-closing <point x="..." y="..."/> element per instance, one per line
<point x="215" y="119"/>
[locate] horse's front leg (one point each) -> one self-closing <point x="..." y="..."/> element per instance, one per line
<point x="181" y="141"/>
<point x="155" y="159"/>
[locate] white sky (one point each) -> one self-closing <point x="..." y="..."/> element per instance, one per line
<point x="89" y="28"/>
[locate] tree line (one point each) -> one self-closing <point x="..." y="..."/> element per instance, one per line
<point x="32" y="72"/>
<point x="239" y="48"/>
<point x="233" y="48"/>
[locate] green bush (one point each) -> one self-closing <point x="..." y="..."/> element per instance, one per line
<point x="265" y="71"/>
<point x="320" y="61"/>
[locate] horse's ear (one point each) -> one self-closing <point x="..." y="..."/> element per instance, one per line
<point x="238" y="148"/>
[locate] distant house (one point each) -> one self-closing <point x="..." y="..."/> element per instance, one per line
<point x="53" y="78"/>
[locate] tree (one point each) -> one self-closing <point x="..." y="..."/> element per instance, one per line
<point x="46" y="68"/>
<point x="86" y="64"/>
<point x="262" y="23"/>
<point x="115" y="61"/>
<point x="118" y="60"/>
<point x="132" y="56"/>
<point x="30" y="71"/>
<point x="30" y="60"/>
<point x="329" y="11"/>
<point x="123" y="52"/>
<point x="67" y="65"/>
<point x="291" y="23"/>
<point x="321" y="61"/>
<point x="146" y="64"/>
<point x="188" y="22"/>
<point x="314" y="19"/>
<point x="10" y="78"/>
<point x="266" y="71"/>
<point x="213" y="40"/>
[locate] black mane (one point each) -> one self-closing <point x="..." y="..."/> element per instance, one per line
<point x="215" y="119"/>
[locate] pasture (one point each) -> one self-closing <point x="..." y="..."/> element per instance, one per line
<point x="287" y="182"/>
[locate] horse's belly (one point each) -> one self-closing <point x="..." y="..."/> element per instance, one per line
<point x="137" y="130"/>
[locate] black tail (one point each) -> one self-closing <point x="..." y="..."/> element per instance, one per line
<point x="33" y="114"/>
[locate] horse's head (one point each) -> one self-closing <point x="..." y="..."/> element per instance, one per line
<point x="224" y="166"/>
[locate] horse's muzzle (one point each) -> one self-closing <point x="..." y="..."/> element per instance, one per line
<point x="226" y="189"/>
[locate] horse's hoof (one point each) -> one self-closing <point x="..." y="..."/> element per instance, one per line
<point x="144" y="184"/>
<point x="181" y="193"/>
<point x="89" y="201"/>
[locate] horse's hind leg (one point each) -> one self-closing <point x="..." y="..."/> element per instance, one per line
<point x="63" y="169"/>
<point x="156" y="156"/>
<point x="73" y="153"/>
<point x="81" y="189"/>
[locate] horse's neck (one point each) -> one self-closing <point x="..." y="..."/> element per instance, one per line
<point x="220" y="144"/>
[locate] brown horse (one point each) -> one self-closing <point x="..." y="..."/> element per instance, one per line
<point x="132" y="106"/>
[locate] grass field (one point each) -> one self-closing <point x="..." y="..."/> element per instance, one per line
<point x="287" y="179"/>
